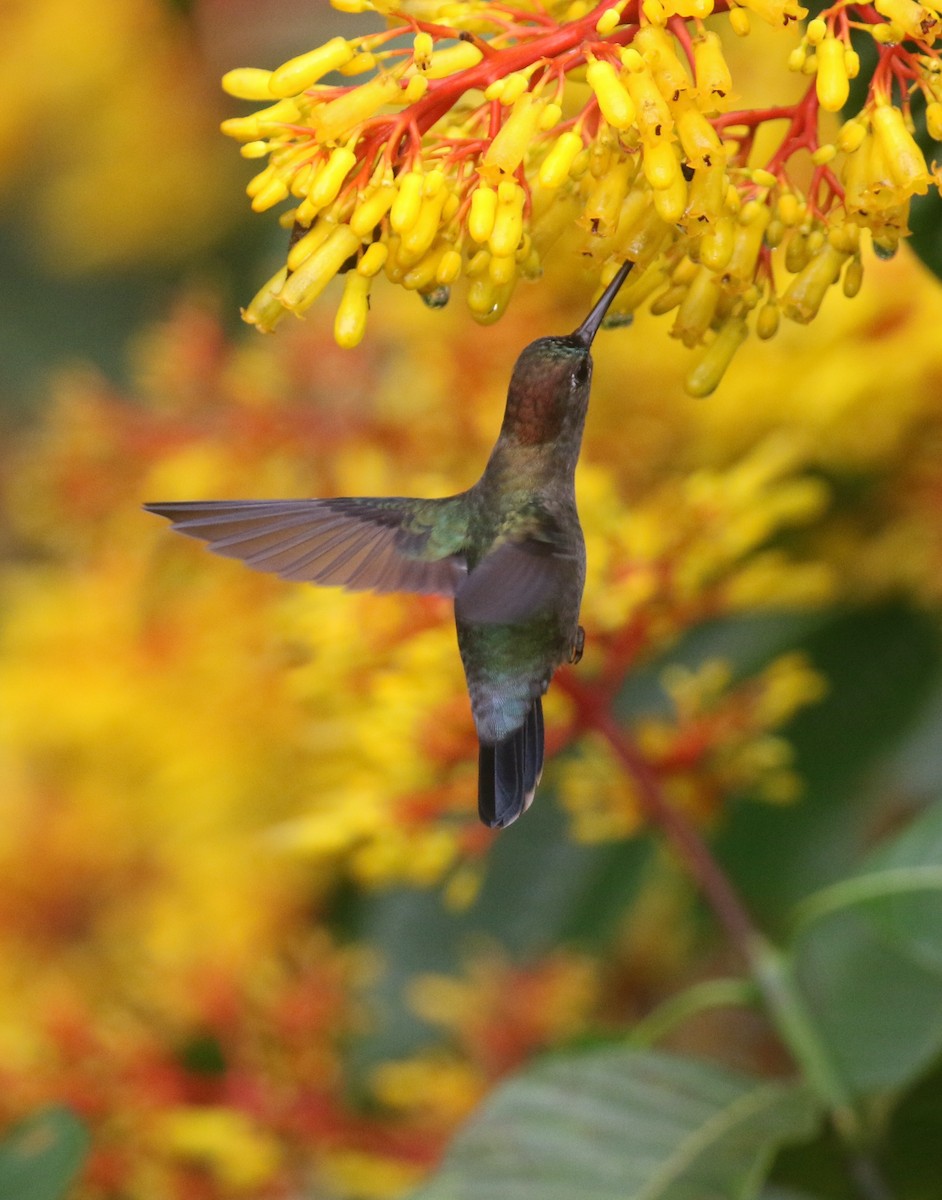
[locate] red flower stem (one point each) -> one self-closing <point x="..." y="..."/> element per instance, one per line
<point x="682" y="836"/>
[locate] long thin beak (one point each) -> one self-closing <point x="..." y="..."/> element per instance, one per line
<point x="590" y="326"/>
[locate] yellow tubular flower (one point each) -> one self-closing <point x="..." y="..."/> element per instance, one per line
<point x="338" y="117"/>
<point x="371" y="209"/>
<point x="661" y="166"/>
<point x="906" y="162"/>
<point x="706" y="375"/>
<point x="408" y="202"/>
<point x="714" y="81"/>
<point x="603" y="207"/>
<point x="697" y="308"/>
<point x="303" y="287"/>
<point x="654" y="115"/>
<point x="615" y="103"/>
<point x="329" y="179"/>
<point x="513" y="140"/>
<point x="832" y="84"/>
<point x="298" y="74"/>
<point x="265" y="309"/>
<point x="508" y="219"/>
<point x="350" y="319"/>
<point x="483" y="213"/>
<point x="807" y="290"/>
<point x="555" y="168"/>
<point x="453" y="59"/>
<point x="373" y="259"/>
<point x="248" y="83"/>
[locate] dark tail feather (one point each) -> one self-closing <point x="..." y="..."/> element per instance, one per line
<point x="509" y="771"/>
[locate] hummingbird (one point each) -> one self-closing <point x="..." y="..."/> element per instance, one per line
<point x="509" y="551"/>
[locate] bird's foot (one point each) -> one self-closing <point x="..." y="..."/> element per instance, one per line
<point x="578" y="645"/>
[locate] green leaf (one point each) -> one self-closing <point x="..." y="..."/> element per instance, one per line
<point x="41" y="1157"/>
<point x="624" y="1124"/>
<point x="869" y="957"/>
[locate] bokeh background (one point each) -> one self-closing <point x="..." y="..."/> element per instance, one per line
<point x="250" y="929"/>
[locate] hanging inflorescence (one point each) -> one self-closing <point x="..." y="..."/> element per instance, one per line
<point x="486" y="137"/>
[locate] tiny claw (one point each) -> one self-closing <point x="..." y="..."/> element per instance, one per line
<point x="578" y="645"/>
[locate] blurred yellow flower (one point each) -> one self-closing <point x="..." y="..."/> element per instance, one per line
<point x="106" y="121"/>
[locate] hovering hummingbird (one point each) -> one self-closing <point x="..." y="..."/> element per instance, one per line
<point x="509" y="550"/>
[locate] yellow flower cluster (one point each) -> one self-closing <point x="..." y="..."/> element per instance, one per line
<point x="487" y="140"/>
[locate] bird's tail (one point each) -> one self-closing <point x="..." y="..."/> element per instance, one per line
<point x="509" y="770"/>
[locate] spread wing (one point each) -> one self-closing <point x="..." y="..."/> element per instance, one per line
<point x="362" y="544"/>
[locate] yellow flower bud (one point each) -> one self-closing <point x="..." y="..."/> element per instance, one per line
<point x="257" y="149"/>
<point x="747" y="240"/>
<point x="421" y="274"/>
<point x="671" y="202"/>
<point x="933" y="121"/>
<point x="419" y="236"/>
<point x="449" y="267"/>
<point x="816" y="32"/>
<point x="608" y="21"/>
<point x="502" y="268"/>
<point x="851" y="62"/>
<point x="453" y="59"/>
<point x="373" y="259"/>
<point x="482" y="213"/>
<point x="338" y="117"/>
<point x="851" y="136"/>
<point x="614" y="101"/>
<point x="697" y="308"/>
<point x="305" y="246"/>
<point x="554" y="169"/>
<point x="550" y="117"/>
<point x="708" y="191"/>
<point x="272" y="192"/>
<point x="788" y="209"/>
<point x="853" y="277"/>
<point x="515" y="85"/>
<point x="832" y="85"/>
<point x="660" y="165"/>
<point x="372" y="208"/>
<point x="330" y="178"/>
<point x="265" y="309"/>
<point x="406" y="206"/>
<point x="514" y="138"/>
<point x="716" y="245"/>
<point x="487" y="300"/>
<point x="303" y="287"/>
<point x="767" y="320"/>
<point x="298" y="74"/>
<point x="824" y="154"/>
<point x="714" y="81"/>
<point x="667" y="300"/>
<point x="739" y="21"/>
<point x="248" y="83"/>
<point x="354" y="307"/>
<point x="415" y="89"/>
<point x="707" y="373"/>
<point x="508" y="220"/>
<point x="807" y="290"/>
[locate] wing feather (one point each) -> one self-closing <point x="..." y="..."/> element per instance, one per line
<point x="362" y="544"/>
